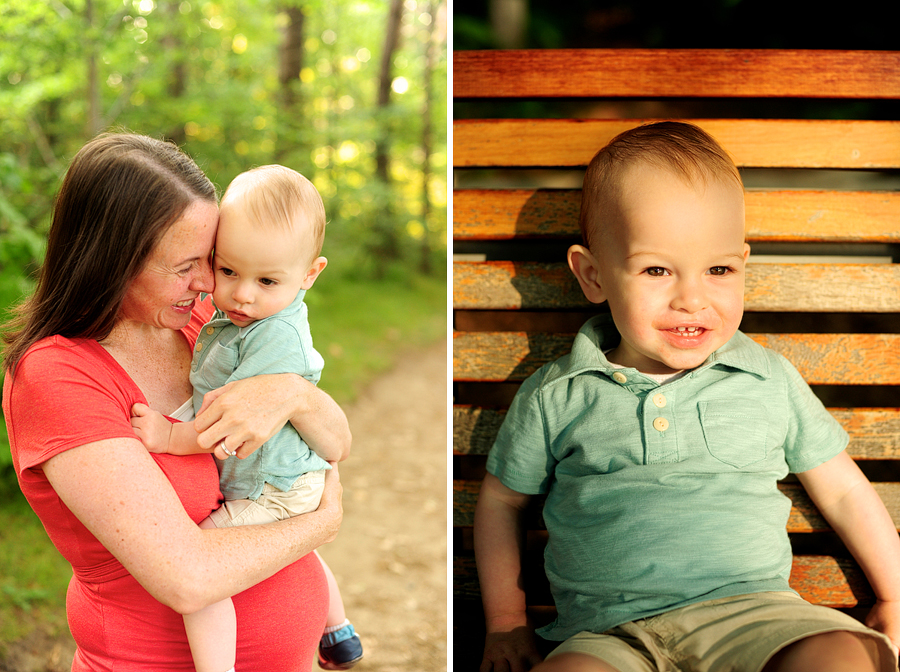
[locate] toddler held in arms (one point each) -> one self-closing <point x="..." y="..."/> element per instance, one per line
<point x="270" y="234"/>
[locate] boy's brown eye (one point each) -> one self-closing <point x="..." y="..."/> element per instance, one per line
<point x="656" y="272"/>
<point x="718" y="270"/>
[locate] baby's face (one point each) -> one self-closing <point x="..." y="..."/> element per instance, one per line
<point x="672" y="268"/>
<point x="258" y="273"/>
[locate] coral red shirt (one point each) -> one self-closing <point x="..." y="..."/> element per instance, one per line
<point x="70" y="392"/>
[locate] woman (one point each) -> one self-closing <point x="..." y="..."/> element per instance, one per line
<point x="112" y="323"/>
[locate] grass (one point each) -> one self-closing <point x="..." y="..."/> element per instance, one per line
<point x="360" y="328"/>
<point x="34" y="576"/>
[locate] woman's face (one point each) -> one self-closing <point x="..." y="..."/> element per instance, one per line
<point x="177" y="271"/>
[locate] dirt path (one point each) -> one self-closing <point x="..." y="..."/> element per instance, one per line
<point x="390" y="557"/>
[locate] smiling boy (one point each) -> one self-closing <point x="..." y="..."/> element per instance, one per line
<point x="659" y="442"/>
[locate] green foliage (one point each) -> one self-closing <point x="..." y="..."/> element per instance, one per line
<point x="206" y="74"/>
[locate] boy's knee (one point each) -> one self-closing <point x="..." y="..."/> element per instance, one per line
<point x="574" y="662"/>
<point x="839" y="651"/>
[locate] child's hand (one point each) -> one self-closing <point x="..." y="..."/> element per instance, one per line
<point x="151" y="427"/>
<point x="513" y="651"/>
<point x="885" y="617"/>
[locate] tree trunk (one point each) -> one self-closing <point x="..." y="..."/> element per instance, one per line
<point x="431" y="47"/>
<point x="385" y="79"/>
<point x="93" y="122"/>
<point x="387" y="239"/>
<point x="290" y="63"/>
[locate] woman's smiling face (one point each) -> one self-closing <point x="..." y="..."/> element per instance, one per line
<point x="177" y="271"/>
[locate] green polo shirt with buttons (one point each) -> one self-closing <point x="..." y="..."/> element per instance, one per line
<point x="660" y="495"/>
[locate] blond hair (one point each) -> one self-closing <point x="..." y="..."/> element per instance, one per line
<point x="681" y="148"/>
<point x="278" y="196"/>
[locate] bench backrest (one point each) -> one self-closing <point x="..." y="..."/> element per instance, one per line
<point x="823" y="283"/>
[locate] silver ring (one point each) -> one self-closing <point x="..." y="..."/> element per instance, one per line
<point x="225" y="449"/>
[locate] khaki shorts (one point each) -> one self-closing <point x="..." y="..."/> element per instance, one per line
<point x="273" y="504"/>
<point x="711" y="636"/>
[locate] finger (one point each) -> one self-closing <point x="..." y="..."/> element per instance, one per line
<point x="139" y="410"/>
<point x="209" y="398"/>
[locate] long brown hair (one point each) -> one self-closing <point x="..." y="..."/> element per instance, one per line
<point x="119" y="196"/>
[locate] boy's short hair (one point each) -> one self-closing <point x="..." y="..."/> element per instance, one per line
<point x="681" y="148"/>
<point x="279" y="196"/>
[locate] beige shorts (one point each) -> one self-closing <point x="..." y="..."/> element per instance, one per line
<point x="710" y="636"/>
<point x="273" y="504"/>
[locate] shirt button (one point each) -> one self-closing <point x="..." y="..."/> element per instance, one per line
<point x="659" y="400"/>
<point x="198" y="347"/>
<point x="619" y="377"/>
<point x="210" y="331"/>
<point x="660" y="424"/>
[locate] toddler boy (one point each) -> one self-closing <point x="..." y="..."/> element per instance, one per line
<point x="270" y="234"/>
<point x="659" y="441"/>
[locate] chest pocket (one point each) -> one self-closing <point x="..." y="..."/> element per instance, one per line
<point x="735" y="431"/>
<point x="218" y="365"/>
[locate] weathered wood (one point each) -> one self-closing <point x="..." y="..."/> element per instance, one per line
<point x="820" y="579"/>
<point x="710" y="73"/>
<point x="874" y="432"/>
<point x="866" y="288"/>
<point x="804" y="516"/>
<point x="772" y="216"/>
<point x="822" y="359"/>
<point x="754" y="143"/>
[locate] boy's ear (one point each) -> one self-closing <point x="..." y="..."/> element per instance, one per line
<point x="746" y="252"/>
<point x="317" y="266"/>
<point x="587" y="272"/>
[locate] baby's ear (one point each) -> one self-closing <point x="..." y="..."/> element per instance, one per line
<point x="317" y="266"/>
<point x="587" y="272"/>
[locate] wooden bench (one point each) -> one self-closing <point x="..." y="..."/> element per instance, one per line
<point x="820" y="209"/>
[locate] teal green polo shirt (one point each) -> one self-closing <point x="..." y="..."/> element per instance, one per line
<point x="280" y="343"/>
<point x="659" y="496"/>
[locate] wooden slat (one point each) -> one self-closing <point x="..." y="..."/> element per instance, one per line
<point x="804" y="517"/>
<point x="772" y="216"/>
<point x="506" y="285"/>
<point x="820" y="579"/>
<point x="755" y="143"/>
<point x="728" y="73"/>
<point x="874" y="432"/>
<point x="822" y="359"/>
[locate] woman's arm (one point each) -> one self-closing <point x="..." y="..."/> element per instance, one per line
<point x="119" y="493"/>
<point x="250" y="411"/>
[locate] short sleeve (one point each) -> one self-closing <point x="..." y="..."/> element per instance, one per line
<point x="814" y="436"/>
<point x="521" y="456"/>
<point x="63" y="395"/>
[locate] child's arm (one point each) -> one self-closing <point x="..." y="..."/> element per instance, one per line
<point x="850" y="504"/>
<point x="499" y="541"/>
<point x="161" y="436"/>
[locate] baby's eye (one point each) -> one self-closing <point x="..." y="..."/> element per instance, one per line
<point x="719" y="270"/>
<point x="656" y="272"/>
<point x="227" y="272"/>
<point x="268" y="282"/>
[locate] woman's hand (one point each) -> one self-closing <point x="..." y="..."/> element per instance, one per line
<point x="246" y="413"/>
<point x="331" y="507"/>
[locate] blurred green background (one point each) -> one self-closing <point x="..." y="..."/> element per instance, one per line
<point x="351" y="93"/>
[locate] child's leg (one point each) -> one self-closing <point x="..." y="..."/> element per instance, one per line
<point x="336" y="613"/>
<point x="829" y="652"/>
<point x="574" y="662"/>
<point x="340" y="648"/>
<point x="212" y="632"/>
